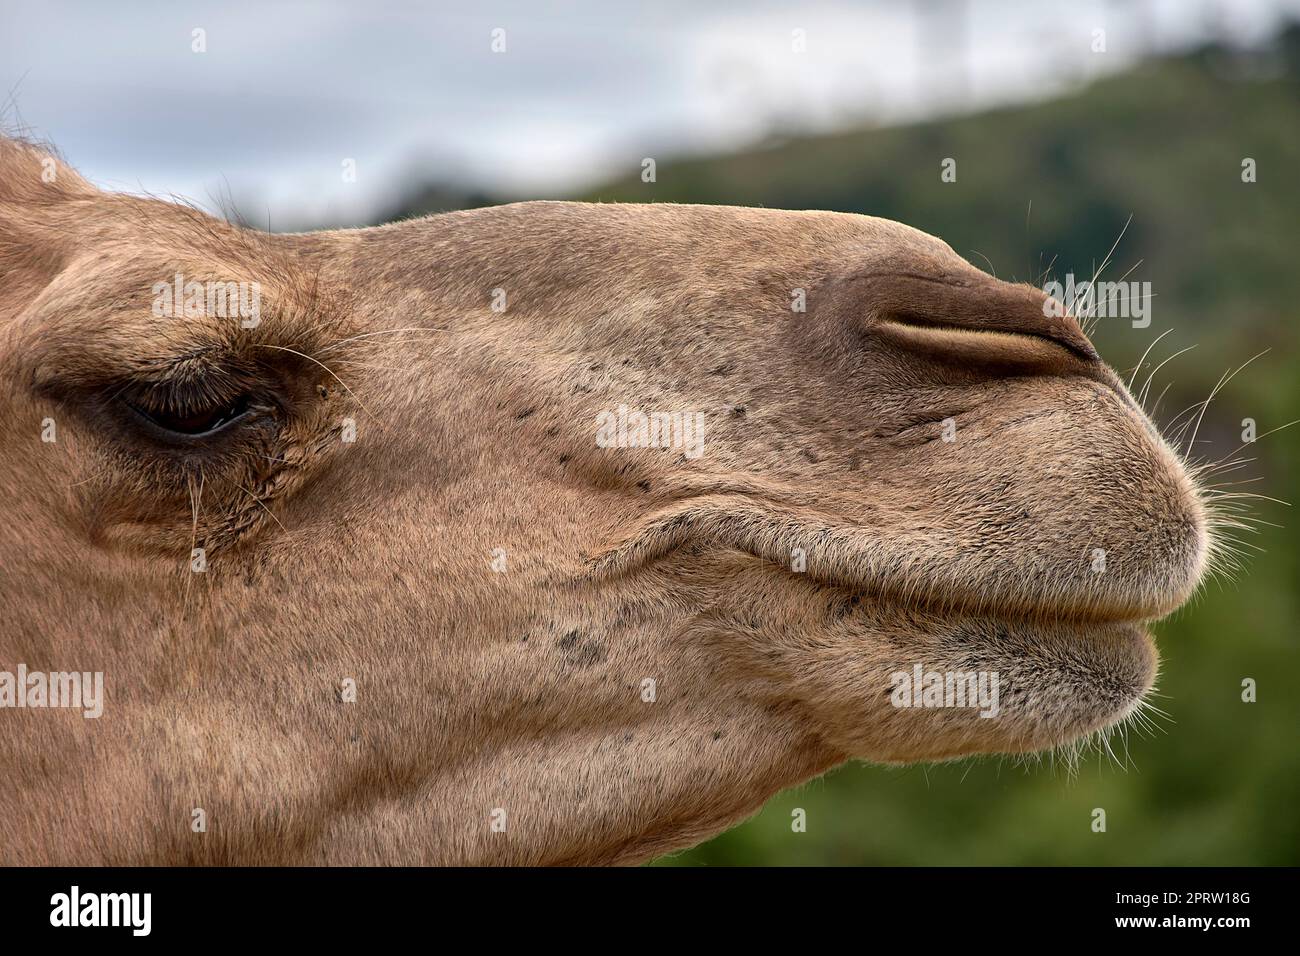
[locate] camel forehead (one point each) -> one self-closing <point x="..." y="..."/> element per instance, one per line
<point x="664" y="220"/>
<point x="661" y="240"/>
<point x="144" y="242"/>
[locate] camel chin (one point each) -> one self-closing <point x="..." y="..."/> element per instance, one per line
<point x="1058" y="683"/>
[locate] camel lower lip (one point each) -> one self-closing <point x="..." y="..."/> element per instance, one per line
<point x="1054" y="682"/>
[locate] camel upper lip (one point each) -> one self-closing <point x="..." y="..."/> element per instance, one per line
<point x="857" y="562"/>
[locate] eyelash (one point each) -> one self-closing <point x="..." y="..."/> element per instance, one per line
<point x="199" y="422"/>
<point x="194" y="411"/>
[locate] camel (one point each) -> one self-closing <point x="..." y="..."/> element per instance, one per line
<point x="547" y="533"/>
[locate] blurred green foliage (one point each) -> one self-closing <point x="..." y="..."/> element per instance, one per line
<point x="1053" y="184"/>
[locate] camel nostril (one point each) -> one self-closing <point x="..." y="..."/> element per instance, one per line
<point x="964" y="302"/>
<point x="957" y="333"/>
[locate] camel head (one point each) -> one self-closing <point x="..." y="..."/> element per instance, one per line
<point x="542" y="533"/>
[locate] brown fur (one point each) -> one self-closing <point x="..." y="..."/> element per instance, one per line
<point x="522" y="689"/>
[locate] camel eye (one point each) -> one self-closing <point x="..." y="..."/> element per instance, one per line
<point x="197" y="422"/>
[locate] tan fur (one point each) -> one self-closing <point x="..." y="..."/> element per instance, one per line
<point x="522" y="689"/>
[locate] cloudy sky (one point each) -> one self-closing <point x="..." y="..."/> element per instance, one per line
<point x="286" y="91"/>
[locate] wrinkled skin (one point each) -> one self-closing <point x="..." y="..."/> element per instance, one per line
<point x="497" y="587"/>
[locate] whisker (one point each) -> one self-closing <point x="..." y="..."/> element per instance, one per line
<point x="376" y="368"/>
<point x="1092" y="292"/>
<point x="83" y="481"/>
<point x="1258" y="437"/>
<point x="988" y="260"/>
<point x="1131" y="271"/>
<point x="1138" y="367"/>
<point x="366" y="335"/>
<point x="263" y="504"/>
<point x="1151" y="378"/>
<point x="1249" y="494"/>
<point x="281" y="348"/>
<point x="1222" y="382"/>
<point x="194" y="530"/>
<point x="1160" y="398"/>
<point x="1042" y="275"/>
